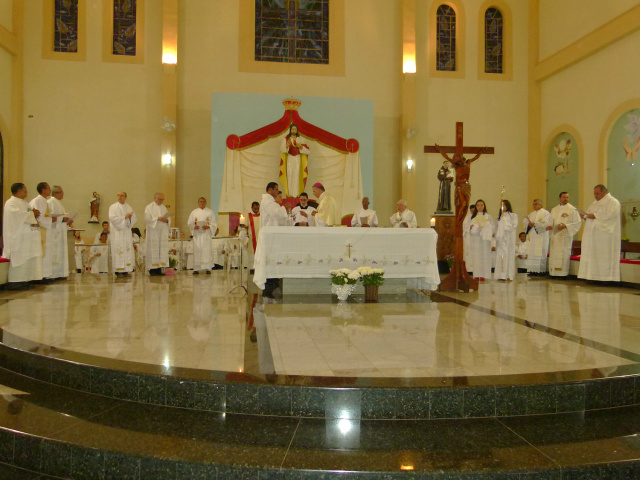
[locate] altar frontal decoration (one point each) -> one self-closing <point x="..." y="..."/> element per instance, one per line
<point x="257" y="158"/>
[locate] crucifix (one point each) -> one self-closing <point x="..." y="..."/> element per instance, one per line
<point x="459" y="279"/>
<point x="349" y="247"/>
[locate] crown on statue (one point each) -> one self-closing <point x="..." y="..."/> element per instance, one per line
<point x="291" y="103"/>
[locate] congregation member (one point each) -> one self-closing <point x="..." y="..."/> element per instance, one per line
<point x="522" y="250"/>
<point x="203" y="226"/>
<point x="98" y="260"/>
<point x="156" y="250"/>
<point x="80" y="251"/>
<point x="480" y="236"/>
<point x="271" y="214"/>
<point x="122" y="218"/>
<point x="506" y="228"/>
<point x="303" y="213"/>
<point x="403" y="218"/>
<point x="254" y="225"/>
<point x="59" y="229"/>
<point x="566" y="223"/>
<point x="466" y="241"/>
<point x="105" y="229"/>
<point x="22" y="244"/>
<point x="536" y="224"/>
<point x="600" y="255"/>
<point x="327" y="213"/>
<point x="45" y="222"/>
<point x="365" y="217"/>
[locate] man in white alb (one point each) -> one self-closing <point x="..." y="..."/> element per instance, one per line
<point x="202" y="223"/>
<point x="566" y="223"/>
<point x="156" y="248"/>
<point x="365" y="217"/>
<point x="327" y="212"/>
<point x="59" y="229"/>
<point x="403" y="218"/>
<point x="303" y="213"/>
<point x="21" y="239"/>
<point x="271" y="215"/>
<point x="121" y="219"/>
<point x="45" y="221"/>
<point x="600" y="249"/>
<point x="536" y="224"/>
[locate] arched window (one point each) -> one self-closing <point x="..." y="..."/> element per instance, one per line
<point x="446" y="39"/>
<point x="493" y="41"/>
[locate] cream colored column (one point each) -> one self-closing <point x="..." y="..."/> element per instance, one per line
<point x="408" y="116"/>
<point x="168" y="158"/>
<point x="537" y="187"/>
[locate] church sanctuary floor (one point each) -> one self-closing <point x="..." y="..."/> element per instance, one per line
<point x="174" y="377"/>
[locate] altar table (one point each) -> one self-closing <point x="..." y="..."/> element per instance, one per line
<point x="310" y="252"/>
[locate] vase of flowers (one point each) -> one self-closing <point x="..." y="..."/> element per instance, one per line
<point x="173" y="264"/>
<point x="371" y="278"/>
<point x="343" y="282"/>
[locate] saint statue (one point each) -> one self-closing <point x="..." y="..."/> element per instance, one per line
<point x="294" y="158"/>
<point x="446" y="175"/>
<point x="95" y="208"/>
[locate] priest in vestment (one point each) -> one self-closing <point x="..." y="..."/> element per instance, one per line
<point x="327" y="213"/>
<point x="59" y="229"/>
<point x="403" y="218"/>
<point x="158" y="222"/>
<point x="202" y="223"/>
<point x="536" y="224"/>
<point x="566" y="223"/>
<point x="21" y="237"/>
<point x="600" y="249"/>
<point x="122" y="218"/>
<point x="365" y="217"/>
<point x="45" y="221"/>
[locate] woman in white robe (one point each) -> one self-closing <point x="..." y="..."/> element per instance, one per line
<point x="480" y="235"/>
<point x="506" y="229"/>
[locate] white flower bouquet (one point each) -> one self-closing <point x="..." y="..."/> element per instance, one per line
<point x="344" y="276"/>
<point x="371" y="276"/>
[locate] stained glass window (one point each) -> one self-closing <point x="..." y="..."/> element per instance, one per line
<point x="124" y="27"/>
<point x="493" y="24"/>
<point x="292" y="31"/>
<point x="446" y="39"/>
<point x="65" y="36"/>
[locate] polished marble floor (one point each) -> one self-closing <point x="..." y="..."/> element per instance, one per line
<point x="526" y="326"/>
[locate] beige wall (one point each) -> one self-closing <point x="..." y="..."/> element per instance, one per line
<point x="566" y="21"/>
<point x="6" y="86"/>
<point x="5" y="13"/>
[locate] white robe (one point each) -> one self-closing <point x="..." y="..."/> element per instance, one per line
<point x="507" y="228"/>
<point x="370" y="215"/>
<point x="561" y="240"/>
<point x="79" y="249"/>
<point x="481" y="233"/>
<point x="122" y="253"/>
<point x="157" y="238"/>
<point x="271" y="214"/>
<point x="45" y="222"/>
<point x="203" y="255"/>
<point x="22" y="242"/>
<point x="407" y="216"/>
<point x="59" y="250"/>
<point x="188" y="254"/>
<point x="96" y="239"/>
<point x="298" y="217"/>
<point x="466" y="242"/>
<point x="522" y="249"/>
<point x="99" y="259"/>
<point x="600" y="249"/>
<point x="538" y="240"/>
<point x="328" y="213"/>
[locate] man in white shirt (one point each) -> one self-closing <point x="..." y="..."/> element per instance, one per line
<point x="536" y="224"/>
<point x="158" y="223"/>
<point x="365" y="217"/>
<point x="122" y="218"/>
<point x="403" y="218"/>
<point x="303" y="213"/>
<point x="202" y="223"/>
<point x="22" y="241"/>
<point x="59" y="229"/>
<point x="566" y="223"/>
<point x="45" y="221"/>
<point x="600" y="249"/>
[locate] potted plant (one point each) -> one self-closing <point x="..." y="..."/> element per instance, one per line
<point x="371" y="278"/>
<point x="173" y="263"/>
<point x="343" y="282"/>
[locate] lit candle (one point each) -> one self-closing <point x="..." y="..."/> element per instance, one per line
<point x="433" y="222"/>
<point x="241" y="219"/>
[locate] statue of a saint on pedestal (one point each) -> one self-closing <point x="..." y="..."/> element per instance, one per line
<point x="95" y="208"/>
<point x="446" y="174"/>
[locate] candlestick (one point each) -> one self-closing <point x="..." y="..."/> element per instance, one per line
<point x="241" y="219"/>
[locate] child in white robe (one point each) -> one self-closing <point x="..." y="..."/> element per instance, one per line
<point x="481" y="233"/>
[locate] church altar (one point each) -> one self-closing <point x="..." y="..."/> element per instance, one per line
<point x="299" y="252"/>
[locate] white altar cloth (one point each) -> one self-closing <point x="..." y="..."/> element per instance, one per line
<point x="308" y="252"/>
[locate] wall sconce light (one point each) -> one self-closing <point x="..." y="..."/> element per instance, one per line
<point x="409" y="164"/>
<point x="169" y="58"/>
<point x="409" y="66"/>
<point x="634" y="213"/>
<point x="166" y="159"/>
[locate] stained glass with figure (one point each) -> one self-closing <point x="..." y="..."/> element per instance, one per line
<point x="446" y="39"/>
<point x="124" y="27"/>
<point x="493" y="24"/>
<point x="292" y="31"/>
<point x="65" y="36"/>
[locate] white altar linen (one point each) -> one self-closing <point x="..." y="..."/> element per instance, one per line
<point x="293" y="252"/>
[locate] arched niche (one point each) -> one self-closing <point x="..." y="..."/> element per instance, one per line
<point x="563" y="169"/>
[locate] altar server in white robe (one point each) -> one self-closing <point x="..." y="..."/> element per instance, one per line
<point x="21" y="238"/>
<point x="522" y="250"/>
<point x="600" y="252"/>
<point x="59" y="229"/>
<point x="45" y="221"/>
<point x="303" y="214"/>
<point x="403" y="218"/>
<point x="122" y="218"/>
<point x="536" y="224"/>
<point x="365" y="217"/>
<point x="506" y="228"/>
<point x="566" y="223"/>
<point x="203" y="226"/>
<point x="466" y="241"/>
<point x="105" y="228"/>
<point x="328" y="212"/>
<point x="480" y="234"/>
<point x="158" y="223"/>
<point x="99" y="256"/>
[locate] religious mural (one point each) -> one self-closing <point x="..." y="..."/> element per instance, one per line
<point x="562" y="169"/>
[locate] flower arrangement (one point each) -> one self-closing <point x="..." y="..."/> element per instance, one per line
<point x="450" y="258"/>
<point x="371" y="276"/>
<point x="344" y="276"/>
<point x="173" y="260"/>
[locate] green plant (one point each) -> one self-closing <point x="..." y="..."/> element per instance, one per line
<point x="371" y="276"/>
<point x="344" y="276"/>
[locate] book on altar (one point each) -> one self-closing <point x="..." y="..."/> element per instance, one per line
<point x="364" y="220"/>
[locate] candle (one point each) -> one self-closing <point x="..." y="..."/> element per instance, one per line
<point x="433" y="222"/>
<point x="241" y="219"/>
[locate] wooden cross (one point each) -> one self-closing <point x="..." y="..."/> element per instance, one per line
<point x="459" y="279"/>
<point x="349" y="247"/>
